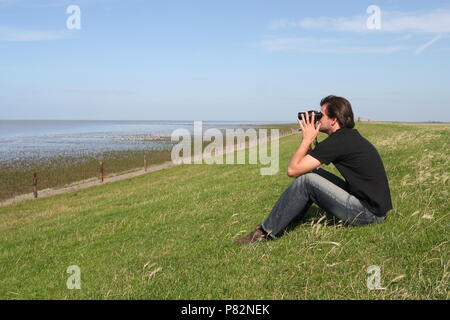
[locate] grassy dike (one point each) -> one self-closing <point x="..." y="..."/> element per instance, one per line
<point x="169" y="234"/>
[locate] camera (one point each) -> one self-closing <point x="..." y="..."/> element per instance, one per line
<point x="317" y="115"/>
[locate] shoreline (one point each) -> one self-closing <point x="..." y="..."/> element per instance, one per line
<point x="115" y="176"/>
<point x="66" y="168"/>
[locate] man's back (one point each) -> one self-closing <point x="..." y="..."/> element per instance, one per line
<point x="360" y="164"/>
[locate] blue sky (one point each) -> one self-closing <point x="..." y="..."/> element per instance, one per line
<point x="259" y="60"/>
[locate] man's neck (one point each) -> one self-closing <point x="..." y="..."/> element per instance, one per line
<point x="333" y="130"/>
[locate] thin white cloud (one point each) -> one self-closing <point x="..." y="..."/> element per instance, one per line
<point x="354" y="24"/>
<point x="435" y="21"/>
<point x="88" y="91"/>
<point x="319" y="45"/>
<point x="429" y="43"/>
<point x="293" y="44"/>
<point x="14" y="35"/>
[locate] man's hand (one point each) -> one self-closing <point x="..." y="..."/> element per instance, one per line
<point x="309" y="131"/>
<point x="301" y="162"/>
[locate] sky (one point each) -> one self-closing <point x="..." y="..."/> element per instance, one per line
<point x="253" y="60"/>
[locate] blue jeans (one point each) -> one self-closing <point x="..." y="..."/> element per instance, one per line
<point x="328" y="192"/>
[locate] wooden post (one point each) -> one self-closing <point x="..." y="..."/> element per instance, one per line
<point x="35" y="189"/>
<point x="145" y="163"/>
<point x="101" y="170"/>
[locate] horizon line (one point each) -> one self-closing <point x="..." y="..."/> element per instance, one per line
<point x="265" y="121"/>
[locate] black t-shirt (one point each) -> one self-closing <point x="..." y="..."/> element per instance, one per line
<point x="360" y="164"/>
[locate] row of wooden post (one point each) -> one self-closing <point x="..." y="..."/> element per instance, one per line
<point x="102" y="176"/>
<point x="35" y="180"/>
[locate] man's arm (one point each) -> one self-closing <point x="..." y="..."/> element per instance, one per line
<point x="302" y="162"/>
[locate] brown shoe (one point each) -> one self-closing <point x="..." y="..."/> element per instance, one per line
<point x="257" y="235"/>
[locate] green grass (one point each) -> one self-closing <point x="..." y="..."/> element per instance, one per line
<point x="183" y="220"/>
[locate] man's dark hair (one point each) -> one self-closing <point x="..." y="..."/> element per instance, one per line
<point x="341" y="109"/>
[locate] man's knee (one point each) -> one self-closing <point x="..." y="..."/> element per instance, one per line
<point x="306" y="178"/>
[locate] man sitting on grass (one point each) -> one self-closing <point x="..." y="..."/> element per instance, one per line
<point x="363" y="198"/>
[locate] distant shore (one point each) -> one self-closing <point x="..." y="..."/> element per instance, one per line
<point x="58" y="172"/>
